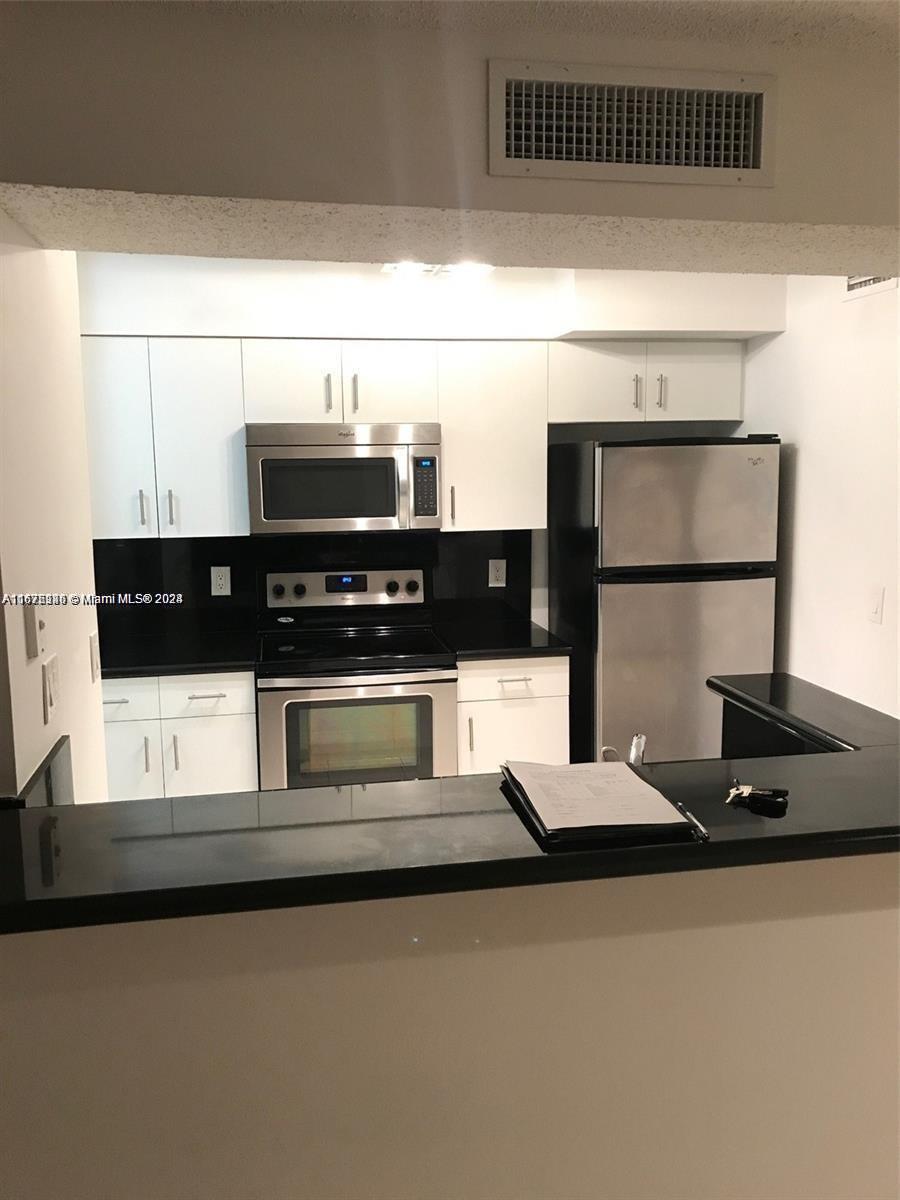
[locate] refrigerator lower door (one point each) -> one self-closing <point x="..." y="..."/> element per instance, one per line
<point x="658" y="643"/>
<point x="687" y="505"/>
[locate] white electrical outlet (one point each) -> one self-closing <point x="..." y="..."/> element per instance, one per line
<point x="496" y="572"/>
<point x="220" y="581"/>
<point x="875" y="606"/>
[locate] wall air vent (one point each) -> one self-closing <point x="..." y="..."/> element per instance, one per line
<point x="868" y="285"/>
<point x="615" y="123"/>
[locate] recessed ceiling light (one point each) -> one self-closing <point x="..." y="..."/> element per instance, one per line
<point x="409" y="269"/>
<point x="468" y="270"/>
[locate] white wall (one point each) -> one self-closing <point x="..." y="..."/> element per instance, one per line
<point x="259" y="100"/>
<point x="710" y="1035"/>
<point x="829" y="387"/>
<point x="159" y="295"/>
<point x="45" y="520"/>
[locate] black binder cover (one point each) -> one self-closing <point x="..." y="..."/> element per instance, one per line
<point x="588" y="837"/>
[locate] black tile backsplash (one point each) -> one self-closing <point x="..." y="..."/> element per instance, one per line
<point x="455" y="566"/>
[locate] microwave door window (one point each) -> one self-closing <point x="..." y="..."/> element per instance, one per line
<point x="317" y="489"/>
<point x="375" y="740"/>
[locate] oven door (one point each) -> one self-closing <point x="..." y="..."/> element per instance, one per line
<point x="325" y="489"/>
<point x="362" y="729"/>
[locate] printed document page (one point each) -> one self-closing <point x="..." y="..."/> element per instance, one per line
<point x="585" y="794"/>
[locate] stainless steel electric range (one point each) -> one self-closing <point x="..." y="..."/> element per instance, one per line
<point x="353" y="684"/>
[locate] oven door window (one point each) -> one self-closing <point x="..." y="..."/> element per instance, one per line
<point x="322" y="489"/>
<point x="376" y="740"/>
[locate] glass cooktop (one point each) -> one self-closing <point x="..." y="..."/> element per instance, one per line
<point x="347" y="651"/>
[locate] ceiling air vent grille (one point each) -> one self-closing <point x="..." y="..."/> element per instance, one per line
<point x="646" y="126"/>
<point x="621" y="123"/>
<point x="868" y="285"/>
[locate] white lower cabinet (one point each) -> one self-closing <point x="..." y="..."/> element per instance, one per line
<point x="512" y="709"/>
<point x="170" y="751"/>
<point x="492" y="731"/>
<point x="203" y="755"/>
<point x="134" y="760"/>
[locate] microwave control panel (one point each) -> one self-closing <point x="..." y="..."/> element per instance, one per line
<point x="425" y="495"/>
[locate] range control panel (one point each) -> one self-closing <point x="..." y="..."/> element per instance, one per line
<point x="425" y="493"/>
<point x="315" y="589"/>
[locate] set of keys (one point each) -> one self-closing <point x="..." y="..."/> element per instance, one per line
<point x="765" y="802"/>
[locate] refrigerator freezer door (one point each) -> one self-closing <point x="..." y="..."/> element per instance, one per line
<point x="658" y="643"/>
<point x="680" y="505"/>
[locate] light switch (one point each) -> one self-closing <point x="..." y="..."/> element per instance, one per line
<point x="875" y="606"/>
<point x="94" y="644"/>
<point x="34" y="628"/>
<point x="50" y="687"/>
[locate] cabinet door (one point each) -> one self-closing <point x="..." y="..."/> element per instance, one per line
<point x="198" y="426"/>
<point x="597" y="381"/>
<point x="119" y="436"/>
<point x="291" y="379"/>
<point x="492" y="731"/>
<point x="493" y="413"/>
<point x="204" y="755"/>
<point x="694" y="381"/>
<point x="390" y="382"/>
<point x="134" y="760"/>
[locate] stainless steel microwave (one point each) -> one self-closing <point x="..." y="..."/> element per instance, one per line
<point x="343" y="478"/>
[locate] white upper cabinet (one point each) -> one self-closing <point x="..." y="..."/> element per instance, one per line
<point x="198" y="425"/>
<point x="597" y="381"/>
<point x="694" y="381"/>
<point x="292" y="379"/>
<point x="119" y="436"/>
<point x="493" y="414"/>
<point x="390" y="382"/>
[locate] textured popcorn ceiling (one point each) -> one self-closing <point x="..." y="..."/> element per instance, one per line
<point x="853" y="24"/>
<point x="130" y="222"/>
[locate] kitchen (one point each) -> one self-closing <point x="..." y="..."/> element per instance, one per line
<point x="170" y="401"/>
<point x="380" y="986"/>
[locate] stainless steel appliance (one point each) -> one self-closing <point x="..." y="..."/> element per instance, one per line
<point x="343" y="478"/>
<point x="662" y="573"/>
<point x="350" y="687"/>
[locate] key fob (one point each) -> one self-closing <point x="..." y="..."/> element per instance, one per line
<point x="767" y="803"/>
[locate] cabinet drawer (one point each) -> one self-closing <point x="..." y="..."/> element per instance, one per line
<point x="211" y="695"/>
<point x="130" y="699"/>
<point x="513" y="678"/>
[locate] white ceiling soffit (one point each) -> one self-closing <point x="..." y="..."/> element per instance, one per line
<point x="849" y="24"/>
<point x="142" y="223"/>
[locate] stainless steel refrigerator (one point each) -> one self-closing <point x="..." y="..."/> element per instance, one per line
<point x="661" y="573"/>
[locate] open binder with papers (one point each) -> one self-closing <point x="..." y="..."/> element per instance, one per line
<point x="591" y="805"/>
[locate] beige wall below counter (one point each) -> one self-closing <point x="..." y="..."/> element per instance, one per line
<point x="717" y="1035"/>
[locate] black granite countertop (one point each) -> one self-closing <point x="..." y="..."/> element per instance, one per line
<point x="511" y="637"/>
<point x="178" y="652"/>
<point x="95" y="863"/>
<point x="808" y="710"/>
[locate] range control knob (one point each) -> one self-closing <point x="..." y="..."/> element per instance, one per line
<point x="412" y="586"/>
<point x="299" y="589"/>
<point x="392" y="587"/>
<point x="278" y="590"/>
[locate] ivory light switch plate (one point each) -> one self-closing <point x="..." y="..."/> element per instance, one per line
<point x="50" y="687"/>
<point x="94" y="644"/>
<point x="875" y="607"/>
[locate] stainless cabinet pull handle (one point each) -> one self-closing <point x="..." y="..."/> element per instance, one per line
<point x="143" y="509"/>
<point x="171" y="507"/>
<point x="659" y="399"/>
<point x="356" y="393"/>
<point x="146" y="756"/>
<point x="452" y="503"/>
<point x="328" y="399"/>
<point x="208" y="696"/>
<point x="517" y="679"/>
<point x="472" y="734"/>
<point x="637" y="391"/>
<point x="175" y="748"/>
<point x="116" y="701"/>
